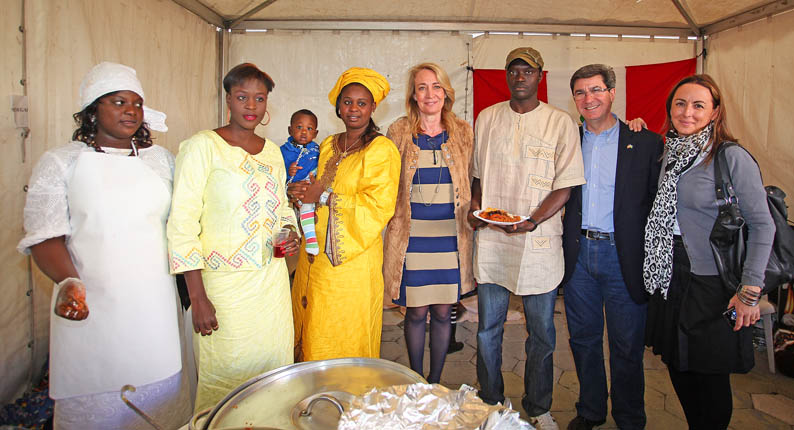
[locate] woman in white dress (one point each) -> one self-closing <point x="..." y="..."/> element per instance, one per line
<point x="95" y="224"/>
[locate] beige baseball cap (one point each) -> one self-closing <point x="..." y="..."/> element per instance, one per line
<point x="531" y="56"/>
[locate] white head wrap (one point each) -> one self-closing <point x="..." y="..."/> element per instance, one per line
<point x="108" y="77"/>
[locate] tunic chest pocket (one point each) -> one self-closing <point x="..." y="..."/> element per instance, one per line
<point x="538" y="160"/>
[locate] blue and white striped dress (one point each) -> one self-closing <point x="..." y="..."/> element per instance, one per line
<point x="431" y="274"/>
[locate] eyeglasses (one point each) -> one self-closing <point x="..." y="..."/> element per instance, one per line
<point x="594" y="91"/>
<point x="527" y="73"/>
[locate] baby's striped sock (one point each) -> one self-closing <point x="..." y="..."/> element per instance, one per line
<point x="307" y="224"/>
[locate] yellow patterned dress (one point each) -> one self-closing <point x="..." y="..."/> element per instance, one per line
<point x="226" y="206"/>
<point x="338" y="306"/>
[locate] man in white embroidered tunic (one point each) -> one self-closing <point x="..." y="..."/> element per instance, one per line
<point x="527" y="157"/>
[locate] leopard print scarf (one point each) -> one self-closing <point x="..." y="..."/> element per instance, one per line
<point x="682" y="151"/>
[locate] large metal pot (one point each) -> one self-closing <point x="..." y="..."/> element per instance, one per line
<point x="303" y="396"/>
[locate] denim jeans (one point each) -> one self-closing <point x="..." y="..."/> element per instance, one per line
<point x="595" y="289"/>
<point x="539" y="370"/>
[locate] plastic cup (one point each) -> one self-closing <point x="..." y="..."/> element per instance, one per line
<point x="282" y="235"/>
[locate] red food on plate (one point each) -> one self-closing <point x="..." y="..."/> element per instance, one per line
<point x="498" y="215"/>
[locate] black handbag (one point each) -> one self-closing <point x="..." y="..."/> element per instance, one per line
<point x="727" y="237"/>
<point x="729" y="234"/>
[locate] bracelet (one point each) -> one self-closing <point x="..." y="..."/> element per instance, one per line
<point x="747" y="296"/>
<point x="747" y="300"/>
<point x="534" y="223"/>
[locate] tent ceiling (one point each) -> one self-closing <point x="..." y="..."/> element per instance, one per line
<point x="675" y="17"/>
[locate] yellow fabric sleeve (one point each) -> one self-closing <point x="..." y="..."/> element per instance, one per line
<point x="362" y="215"/>
<point x="192" y="169"/>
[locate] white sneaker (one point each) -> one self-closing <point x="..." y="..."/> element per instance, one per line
<point x="544" y="422"/>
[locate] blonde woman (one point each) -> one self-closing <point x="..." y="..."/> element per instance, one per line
<point x="428" y="244"/>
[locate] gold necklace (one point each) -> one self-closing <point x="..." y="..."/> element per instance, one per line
<point x="345" y="151"/>
<point x="438" y="185"/>
<point x="440" y="169"/>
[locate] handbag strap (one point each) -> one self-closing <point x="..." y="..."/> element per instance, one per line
<point x="722" y="177"/>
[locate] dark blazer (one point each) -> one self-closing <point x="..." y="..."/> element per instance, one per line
<point x="636" y="181"/>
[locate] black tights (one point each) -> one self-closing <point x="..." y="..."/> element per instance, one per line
<point x="440" y="329"/>
<point x="706" y="399"/>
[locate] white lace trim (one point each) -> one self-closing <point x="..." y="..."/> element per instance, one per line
<point x="167" y="402"/>
<point x="46" y="213"/>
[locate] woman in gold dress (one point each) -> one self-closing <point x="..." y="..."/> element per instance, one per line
<point x="337" y="296"/>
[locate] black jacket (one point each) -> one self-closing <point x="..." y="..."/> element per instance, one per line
<point x="636" y="179"/>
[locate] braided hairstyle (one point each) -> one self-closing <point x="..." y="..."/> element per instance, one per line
<point x="372" y="130"/>
<point x="87" y="128"/>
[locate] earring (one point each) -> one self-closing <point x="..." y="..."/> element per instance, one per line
<point x="268" y="119"/>
<point x="92" y="119"/>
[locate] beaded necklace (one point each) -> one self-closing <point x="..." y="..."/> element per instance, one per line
<point x="304" y="151"/>
<point x="97" y="148"/>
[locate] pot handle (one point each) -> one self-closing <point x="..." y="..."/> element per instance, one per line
<point x="131" y="388"/>
<point x="308" y="411"/>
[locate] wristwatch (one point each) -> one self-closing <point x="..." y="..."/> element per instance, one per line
<point x="534" y="224"/>
<point x="324" y="197"/>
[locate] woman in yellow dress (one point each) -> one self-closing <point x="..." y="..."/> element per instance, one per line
<point x="337" y="296"/>
<point x="228" y="204"/>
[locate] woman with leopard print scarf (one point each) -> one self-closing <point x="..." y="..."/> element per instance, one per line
<point x="685" y="324"/>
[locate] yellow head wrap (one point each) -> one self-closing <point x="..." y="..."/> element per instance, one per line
<point x="372" y="80"/>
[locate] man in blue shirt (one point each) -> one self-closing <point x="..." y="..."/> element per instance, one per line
<point x="603" y="236"/>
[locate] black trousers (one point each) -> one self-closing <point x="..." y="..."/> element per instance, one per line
<point x="705" y="398"/>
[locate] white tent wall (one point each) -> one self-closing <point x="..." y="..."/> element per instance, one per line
<point x="753" y="65"/>
<point x="305" y="66"/>
<point x="175" y="54"/>
<point x="15" y="308"/>
<point x="173" y="51"/>
<point x="563" y="55"/>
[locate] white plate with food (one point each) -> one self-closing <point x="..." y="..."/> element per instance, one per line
<point x="499" y="217"/>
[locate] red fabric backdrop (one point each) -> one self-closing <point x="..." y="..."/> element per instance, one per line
<point x="647" y="88"/>
<point x="490" y="87"/>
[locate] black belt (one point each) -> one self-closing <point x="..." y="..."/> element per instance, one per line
<point x="597" y="235"/>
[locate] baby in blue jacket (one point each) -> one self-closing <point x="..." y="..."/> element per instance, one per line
<point x="301" y="154"/>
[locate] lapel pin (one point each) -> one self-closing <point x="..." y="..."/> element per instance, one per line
<point x="629" y="146"/>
